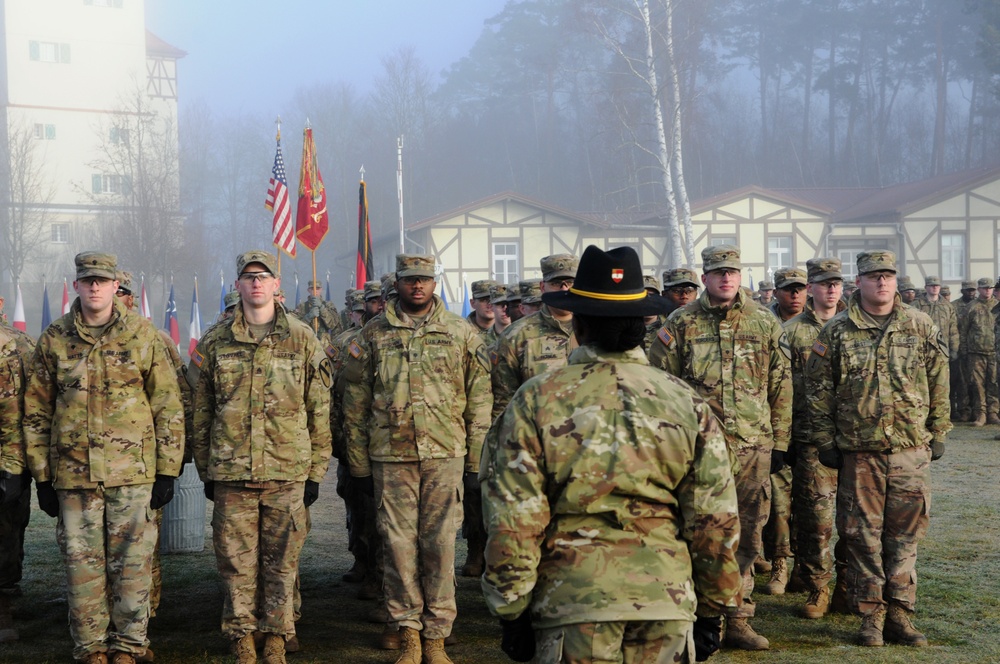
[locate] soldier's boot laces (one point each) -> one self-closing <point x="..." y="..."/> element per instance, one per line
<point x="244" y="650"/>
<point x="274" y="649"/>
<point x="122" y="658"/>
<point x="872" y="624"/>
<point x="434" y="652"/>
<point x="839" y="603"/>
<point x="95" y="658"/>
<point x="7" y="631"/>
<point x="817" y="604"/>
<point x="740" y="635"/>
<point x="761" y="566"/>
<point x="779" y="577"/>
<point x="410" y="642"/>
<point x="899" y="628"/>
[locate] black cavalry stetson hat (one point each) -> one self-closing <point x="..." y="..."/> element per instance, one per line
<point x="608" y="284"/>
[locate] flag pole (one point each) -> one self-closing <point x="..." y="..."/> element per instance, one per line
<point x="277" y="137"/>
<point x="399" y="190"/>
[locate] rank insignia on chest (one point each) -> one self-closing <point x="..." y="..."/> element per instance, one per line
<point x="197" y="358"/>
<point x="354" y="349"/>
<point x="665" y="337"/>
<point x="820" y="348"/>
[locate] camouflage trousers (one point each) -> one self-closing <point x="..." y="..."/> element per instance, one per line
<point x="258" y="535"/>
<point x="13" y="522"/>
<point x="814" y="497"/>
<point x="883" y="510"/>
<point x="753" y="498"/>
<point x="156" y="569"/>
<point x="959" y="389"/>
<point x="981" y="373"/>
<point x="473" y="527"/>
<point x="633" y="642"/>
<point x="419" y="508"/>
<point x="106" y="536"/>
<point x="777" y="534"/>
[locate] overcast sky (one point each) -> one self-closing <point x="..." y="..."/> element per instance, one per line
<point x="252" y="55"/>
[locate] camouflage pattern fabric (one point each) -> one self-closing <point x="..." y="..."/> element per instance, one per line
<point x="979" y="360"/>
<point x="945" y="317"/>
<point x="639" y="523"/>
<point x="636" y="642"/>
<point x="106" y="536"/>
<point x="187" y="395"/>
<point x="777" y="533"/>
<point x="329" y="323"/>
<point x="15" y="355"/>
<point x="753" y="493"/>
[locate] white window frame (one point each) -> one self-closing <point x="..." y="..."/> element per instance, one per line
<point x="60" y="233"/>
<point x="954" y="258"/>
<point x="717" y="240"/>
<point x="510" y="263"/>
<point x="777" y="252"/>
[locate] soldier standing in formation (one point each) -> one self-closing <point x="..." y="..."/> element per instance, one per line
<point x="513" y="302"/>
<point x="481" y="317"/>
<point x="653" y="322"/>
<point x="417" y="406"/>
<point x="262" y="446"/>
<point x="501" y="320"/>
<point x="618" y="549"/>
<point x="960" y="384"/>
<point x="531" y="296"/>
<point x="321" y="316"/>
<point x="877" y="392"/>
<point x="732" y="352"/>
<point x="935" y="304"/>
<point x="104" y="432"/>
<point x="907" y="291"/>
<point x="976" y="329"/>
<point x="765" y="293"/>
<point x="680" y="287"/>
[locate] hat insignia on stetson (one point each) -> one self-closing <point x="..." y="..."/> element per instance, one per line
<point x="617" y="275"/>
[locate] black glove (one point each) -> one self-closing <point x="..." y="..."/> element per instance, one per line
<point x="471" y="482"/>
<point x="792" y="455"/>
<point x="777" y="461"/>
<point x="518" y="639"/>
<point x="937" y="450"/>
<point x="210" y="490"/>
<point x="707" y="637"/>
<point x="47" y="499"/>
<point x="163" y="491"/>
<point x="831" y="458"/>
<point x="311" y="493"/>
<point x="11" y="487"/>
<point x="366" y="485"/>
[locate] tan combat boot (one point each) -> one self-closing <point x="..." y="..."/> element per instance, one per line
<point x="244" y="649"/>
<point x="796" y="583"/>
<point x="740" y="635"/>
<point x="870" y="634"/>
<point x="95" y="658"/>
<point x="147" y="656"/>
<point x="839" y="603"/>
<point x="818" y="604"/>
<point x="761" y="566"/>
<point x="475" y="561"/>
<point x="434" y="652"/>
<point x="980" y="420"/>
<point x="274" y="649"/>
<point x="779" y="578"/>
<point x="122" y="658"/>
<point x="292" y="644"/>
<point x="992" y="419"/>
<point x="899" y="628"/>
<point x="390" y="639"/>
<point x="410" y="641"/>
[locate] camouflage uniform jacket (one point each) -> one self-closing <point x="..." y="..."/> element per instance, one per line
<point x="329" y="320"/>
<point x="186" y="394"/>
<point x="976" y="328"/>
<point x="961" y="310"/>
<point x="738" y="360"/>
<point x="652" y="329"/>
<point x="945" y="317"/>
<point x="533" y="345"/>
<point x="875" y="390"/>
<point x="16" y="349"/>
<point x="475" y="326"/>
<point x="102" y="411"/>
<point x="337" y="353"/>
<point x="608" y="496"/>
<point x="261" y="410"/>
<point x="801" y="332"/>
<point x="416" y="393"/>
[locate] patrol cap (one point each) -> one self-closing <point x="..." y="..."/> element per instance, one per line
<point x="932" y="280"/>
<point x="946" y="290"/>
<point x="850" y="287"/>
<point x="414" y="265"/>
<point x="679" y="276"/>
<point x="481" y="288"/>
<point x="96" y="264"/>
<point x="968" y="285"/>
<point x="559" y="266"/>
<point x="280" y="293"/>
<point x="608" y="284"/>
<point x="498" y="294"/>
<point x="765" y="285"/>
<point x="315" y="283"/>
<point x="650" y="283"/>
<point x="985" y="282"/>
<point x="124" y="281"/>
<point x="513" y="293"/>
<point x="876" y="261"/>
<point x="358" y="298"/>
<point x="389" y="284"/>
<point x="269" y="262"/>
<point x="921" y="292"/>
<point x="531" y="291"/>
<point x="232" y="299"/>
<point x="720" y="257"/>
<point x="824" y="269"/>
<point x="371" y="291"/>
<point x="905" y="284"/>
<point x="790" y="277"/>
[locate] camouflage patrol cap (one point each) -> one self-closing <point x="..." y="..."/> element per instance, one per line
<point x="921" y="292"/>
<point x="985" y="282"/>
<point x="765" y="285"/>
<point x="946" y="290"/>
<point x="315" y="283"/>
<point x="723" y="256"/>
<point x="257" y="256"/>
<point x="650" y="283"/>
<point x="968" y="285"/>
<point x="372" y="290"/>
<point x="905" y="284"/>
<point x="791" y="276"/>
<point x="388" y="284"/>
<point x="531" y="291"/>
<point x="280" y="293"/>
<point x="414" y="265"/>
<point x="513" y="293"/>
<point x="96" y="264"/>
<point x="358" y="298"/>
<point x="824" y="269"/>
<point x="232" y="299"/>
<point x="481" y="288"/>
<point x="850" y="287"/>
<point x="932" y="280"/>
<point x="876" y="261"/>
<point x="679" y="276"/>
<point x="124" y="281"/>
<point x="559" y="266"/>
<point x="498" y="294"/>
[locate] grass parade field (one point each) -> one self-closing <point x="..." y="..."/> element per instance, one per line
<point x="958" y="605"/>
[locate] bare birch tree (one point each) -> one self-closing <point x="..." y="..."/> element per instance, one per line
<point x="25" y="192"/>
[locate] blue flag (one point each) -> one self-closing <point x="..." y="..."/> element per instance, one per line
<point x="466" y="305"/>
<point x="46" y="317"/>
<point x="444" y="296"/>
<point x="222" y="295"/>
<point x="297" y="298"/>
<point x="328" y="289"/>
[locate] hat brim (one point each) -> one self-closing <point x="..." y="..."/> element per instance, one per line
<point x="723" y="265"/>
<point x="792" y="282"/>
<point x="417" y="272"/>
<point x="649" y="305"/>
<point x="825" y="276"/>
<point x="94" y="272"/>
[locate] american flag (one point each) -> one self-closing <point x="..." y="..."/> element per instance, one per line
<point x="282" y="229"/>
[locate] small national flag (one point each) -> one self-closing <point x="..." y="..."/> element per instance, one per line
<point x="328" y="287"/>
<point x="65" y="301"/>
<point x="195" y="327"/>
<point x="364" y="269"/>
<point x="444" y="296"/>
<point x="19" y="321"/>
<point x="466" y="305"/>
<point x="46" y="316"/>
<point x="298" y="298"/>
<point x="311" y="220"/>
<point x="752" y="288"/>
<point x="282" y="229"/>
<point x="222" y="295"/>
<point x="170" y="319"/>
<point x="144" y="309"/>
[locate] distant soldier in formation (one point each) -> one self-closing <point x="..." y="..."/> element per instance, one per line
<point x="653" y="322"/>
<point x="789" y="293"/>
<point x="944" y="315"/>
<point x="680" y="287"/>
<point x="513" y="302"/>
<point x="481" y="316"/>
<point x="531" y="296"/>
<point x="960" y="391"/>
<point x="877" y="393"/>
<point x="501" y="321"/>
<point x="733" y="352"/>
<point x="603" y="552"/>
<point x="907" y="291"/>
<point x="946" y="293"/>
<point x="980" y="366"/>
<point x="849" y="288"/>
<point x="345" y="313"/>
<point x="765" y="293"/>
<point x="318" y="314"/>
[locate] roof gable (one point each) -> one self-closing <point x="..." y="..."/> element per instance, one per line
<point x="505" y="198"/>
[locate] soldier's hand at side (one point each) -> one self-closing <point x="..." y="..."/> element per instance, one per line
<point x="367" y="485"/>
<point x="47" y="499"/>
<point x="11" y="487"/>
<point x="937" y="450"/>
<point x="707" y="637"/>
<point x="831" y="458"/>
<point x="163" y="491"/>
<point x="777" y="461"/>
<point x="210" y="490"/>
<point x="310" y="493"/>
<point x="518" y="639"/>
<point x="471" y="482"/>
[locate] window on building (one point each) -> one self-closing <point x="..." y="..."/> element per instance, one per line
<point x="779" y="252"/>
<point x="953" y="256"/>
<point x="117" y="4"/>
<point x="111" y="184"/>
<point x="506" y="262"/>
<point x="847" y="251"/>
<point x="119" y="135"/>
<point x="60" y="233"/>
<point x="41" y="51"/>
<point x="45" y="131"/>
<point x="716" y="240"/>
